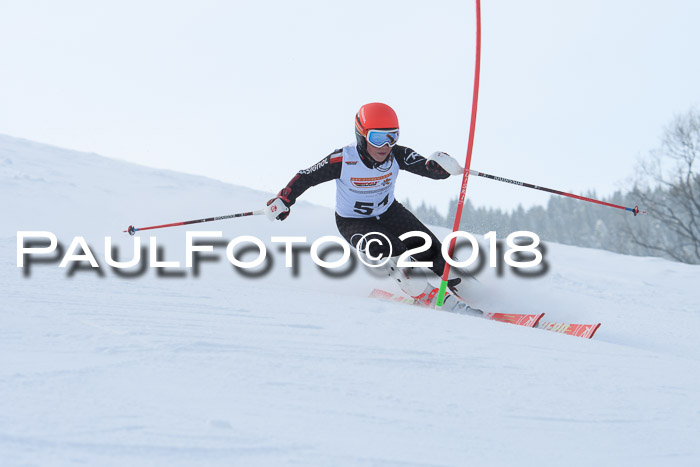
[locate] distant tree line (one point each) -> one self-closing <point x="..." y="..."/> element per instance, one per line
<point x="667" y="186"/>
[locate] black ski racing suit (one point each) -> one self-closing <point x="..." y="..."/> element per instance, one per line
<point x="394" y="222"/>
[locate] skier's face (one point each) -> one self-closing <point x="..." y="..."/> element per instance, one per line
<point x="379" y="154"/>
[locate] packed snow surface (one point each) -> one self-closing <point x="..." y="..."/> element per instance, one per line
<point x="295" y="367"/>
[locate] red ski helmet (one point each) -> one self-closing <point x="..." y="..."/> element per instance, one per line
<point x="374" y="116"/>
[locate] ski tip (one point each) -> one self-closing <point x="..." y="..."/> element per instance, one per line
<point x="585" y="331"/>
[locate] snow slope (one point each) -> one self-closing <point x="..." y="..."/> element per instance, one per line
<point x="303" y="369"/>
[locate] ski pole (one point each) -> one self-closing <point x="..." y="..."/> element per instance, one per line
<point x="635" y="210"/>
<point x="132" y="230"/>
<point x="470" y="146"/>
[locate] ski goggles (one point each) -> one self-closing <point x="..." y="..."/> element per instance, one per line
<point x="379" y="138"/>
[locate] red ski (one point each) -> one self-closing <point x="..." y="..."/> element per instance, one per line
<point x="531" y="321"/>
<point x="579" y="330"/>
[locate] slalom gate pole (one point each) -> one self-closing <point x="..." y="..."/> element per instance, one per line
<point x="470" y="146"/>
<point x="476" y="173"/>
<point x="132" y="230"/>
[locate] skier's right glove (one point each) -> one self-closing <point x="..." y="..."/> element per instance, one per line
<point x="278" y="207"/>
<point x="447" y="162"/>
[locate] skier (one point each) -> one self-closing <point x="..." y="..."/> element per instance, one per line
<point x="365" y="175"/>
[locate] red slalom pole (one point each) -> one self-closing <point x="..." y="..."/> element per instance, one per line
<point x="132" y="230"/>
<point x="470" y="146"/>
<point x="635" y="210"/>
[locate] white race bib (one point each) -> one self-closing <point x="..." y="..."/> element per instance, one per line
<point x="363" y="192"/>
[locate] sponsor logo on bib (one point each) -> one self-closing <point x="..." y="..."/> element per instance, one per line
<point x="368" y="182"/>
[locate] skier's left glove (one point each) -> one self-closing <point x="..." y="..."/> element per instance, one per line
<point x="447" y="162"/>
<point x="278" y="207"/>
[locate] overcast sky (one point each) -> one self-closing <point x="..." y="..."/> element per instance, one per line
<point x="572" y="92"/>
